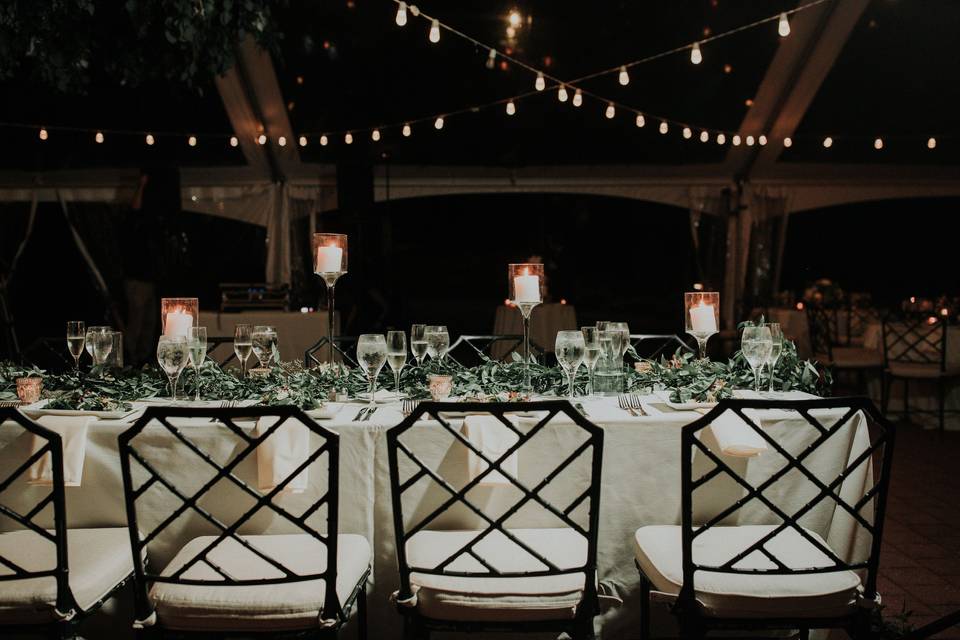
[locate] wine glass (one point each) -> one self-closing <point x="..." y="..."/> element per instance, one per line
<point x="569" y="349"/>
<point x="396" y="354"/>
<point x="776" y="333"/>
<point x="591" y="342"/>
<point x="243" y="345"/>
<point x="102" y="344"/>
<point x="438" y="341"/>
<point x="756" y="344"/>
<point x="418" y="342"/>
<point x="76" y="337"/>
<point x="624" y="331"/>
<point x="89" y="341"/>
<point x="264" y="339"/>
<point x="372" y="355"/>
<point x="198" y="352"/>
<point x="173" y="354"/>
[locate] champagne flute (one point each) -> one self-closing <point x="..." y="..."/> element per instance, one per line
<point x="372" y="355"/>
<point x="173" y="354"/>
<point x="198" y="352"/>
<point x="243" y="345"/>
<point x="591" y="342"/>
<point x="756" y="344"/>
<point x="264" y="339"/>
<point x="438" y="341"/>
<point x="776" y="333"/>
<point x="76" y="337"/>
<point x="418" y="342"/>
<point x="397" y="354"/>
<point x="569" y="349"/>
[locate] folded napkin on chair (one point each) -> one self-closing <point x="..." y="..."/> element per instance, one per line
<point x="492" y="438"/>
<point x="73" y="432"/>
<point x="281" y="453"/>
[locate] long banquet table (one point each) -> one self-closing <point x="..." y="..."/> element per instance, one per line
<point x="641" y="486"/>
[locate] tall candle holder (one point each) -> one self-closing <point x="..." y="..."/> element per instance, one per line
<point x="702" y="316"/>
<point x="525" y="282"/>
<point x="330" y="262"/>
<point x="179" y="315"/>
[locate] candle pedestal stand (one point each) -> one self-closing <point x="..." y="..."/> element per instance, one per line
<point x="526" y="308"/>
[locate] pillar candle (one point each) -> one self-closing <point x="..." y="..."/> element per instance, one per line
<point x="329" y="259"/>
<point x="526" y="288"/>
<point x="178" y="323"/>
<point x="702" y="319"/>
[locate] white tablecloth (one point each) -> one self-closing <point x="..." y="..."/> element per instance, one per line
<point x="641" y="486"/>
<point x="296" y="331"/>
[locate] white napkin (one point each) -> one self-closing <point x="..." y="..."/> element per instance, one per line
<point x="492" y="438"/>
<point x="736" y="438"/>
<point x="280" y="454"/>
<point x="73" y="432"/>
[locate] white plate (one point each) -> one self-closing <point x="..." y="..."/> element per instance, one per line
<point x="381" y="397"/>
<point x="37" y="409"/>
<point x="326" y="412"/>
<point x="664" y="396"/>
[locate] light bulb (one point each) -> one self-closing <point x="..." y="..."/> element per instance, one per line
<point x="783" y="25"/>
<point x="762" y="140"/>
<point x="233" y="141"/>
<point x="323" y="141"/>
<point x="878" y="144"/>
<point x="540" y="83"/>
<point x="664" y="127"/>
<point x="641" y="121"/>
<point x="577" y="98"/>
<point x="375" y="135"/>
<point x="721" y="138"/>
<point x="192" y="141"/>
<point x="262" y="139"/>
<point x="150" y="140"/>
<point x="98" y="137"/>
<point x="511" y="108"/>
<point x="932" y="143"/>
<point x="704" y="136"/>
<point x="750" y="141"/>
<point x="415" y="10"/>
<point x="687" y="133"/>
<point x="562" y="94"/>
<point x="788" y="142"/>
<point x="491" y="58"/>
<point x="303" y="141"/>
<point x="435" y="31"/>
<point x="282" y="141"/>
<point x="43" y="134"/>
<point x="438" y="123"/>
<point x="736" y="140"/>
<point x="695" y="56"/>
<point x="827" y="142"/>
<point x="624" y="76"/>
<point x="407" y="131"/>
<point x="515" y="19"/>
<point x="611" y="111"/>
<point x="348" y="139"/>
<point x="402" y="14"/>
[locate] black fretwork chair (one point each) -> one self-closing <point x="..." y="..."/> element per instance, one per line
<point x="221" y="356"/>
<point x="827" y="341"/>
<point x="751" y="561"/>
<point x="513" y="548"/>
<point x="652" y="345"/>
<point x="915" y="349"/>
<point x="343" y="345"/>
<point x="51" y="577"/>
<point x="253" y="564"/>
<point x="469" y="351"/>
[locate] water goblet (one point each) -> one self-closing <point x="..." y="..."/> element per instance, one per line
<point x="756" y="344"/>
<point x="569" y="349"/>
<point x="418" y="342"/>
<point x="173" y="355"/>
<point x="372" y="355"/>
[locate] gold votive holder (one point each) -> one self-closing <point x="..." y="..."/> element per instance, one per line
<point x="440" y="387"/>
<point x="258" y="372"/>
<point x="28" y="389"/>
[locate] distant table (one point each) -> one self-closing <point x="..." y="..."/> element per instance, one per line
<point x="296" y="331"/>
<point x="545" y="321"/>
<point x="793" y="323"/>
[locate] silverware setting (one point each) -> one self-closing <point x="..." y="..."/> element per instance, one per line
<point x="631" y="403"/>
<point x="369" y="413"/>
<point x="359" y="416"/>
<point x="409" y="405"/>
<point x="579" y="407"/>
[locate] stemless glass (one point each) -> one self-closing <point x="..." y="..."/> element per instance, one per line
<point x="102" y="344"/>
<point x="198" y="352"/>
<point x="569" y="349"/>
<point x="76" y="337"/>
<point x="418" y="342"/>
<point x="396" y="354"/>
<point x="776" y="334"/>
<point x="591" y="353"/>
<point x="372" y="355"/>
<point x="438" y="341"/>
<point x="243" y="345"/>
<point x="624" y="331"/>
<point x="264" y="339"/>
<point x="173" y="354"/>
<point x="756" y="344"/>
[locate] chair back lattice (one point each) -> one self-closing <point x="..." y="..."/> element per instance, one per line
<point x="23" y="515"/>
<point x="214" y="342"/>
<point x="586" y="448"/>
<point x="342" y="345"/>
<point x="912" y="340"/>
<point x="473" y="350"/>
<point x="142" y="474"/>
<point x="858" y="319"/>
<point x="822" y="419"/>
<point x="824" y="330"/>
<point x="651" y="345"/>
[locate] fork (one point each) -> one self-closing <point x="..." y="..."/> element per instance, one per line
<point x="409" y="405"/>
<point x="359" y="415"/>
<point x="633" y="401"/>
<point x="369" y="413"/>
<point x="625" y="404"/>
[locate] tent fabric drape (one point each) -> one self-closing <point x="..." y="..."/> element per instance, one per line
<point x="767" y="210"/>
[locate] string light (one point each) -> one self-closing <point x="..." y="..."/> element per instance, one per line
<point x="348" y="138"/>
<point x="282" y="141"/>
<point x="624" y="76"/>
<point x="262" y="139"/>
<point x="562" y="94"/>
<point x="704" y="136"/>
<point x="762" y="140"/>
<point x="438" y="123"/>
<point x="514" y="19"/>
<point x="233" y="141"/>
<point x="577" y="98"/>
<point x="98" y="137"/>
<point x="827" y="142"/>
<point x="878" y="144"/>
<point x="687" y="133"/>
<point x="750" y="141"/>
<point x="435" y="31"/>
<point x="375" y="135"/>
<point x="664" y="127"/>
<point x="540" y="83"/>
<point x="150" y="140"/>
<point x="696" y="57"/>
<point x="611" y="111"/>
<point x="932" y="143"/>
<point x="43" y="134"/>
<point x="491" y="58"/>
<point x="402" y="14"/>
<point x="783" y="25"/>
<point x="303" y="141"/>
<point x="736" y="140"/>
<point x="415" y="10"/>
<point x="406" y="131"/>
<point x="324" y="141"/>
<point x="511" y="108"/>
<point x="721" y="138"/>
<point x="192" y="141"/>
<point x="641" y="121"/>
<point x="788" y="142"/>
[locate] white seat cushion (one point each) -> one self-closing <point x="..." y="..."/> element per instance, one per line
<point x="100" y="559"/>
<point x="659" y="553"/>
<point x="444" y="597"/>
<point x="222" y="607"/>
